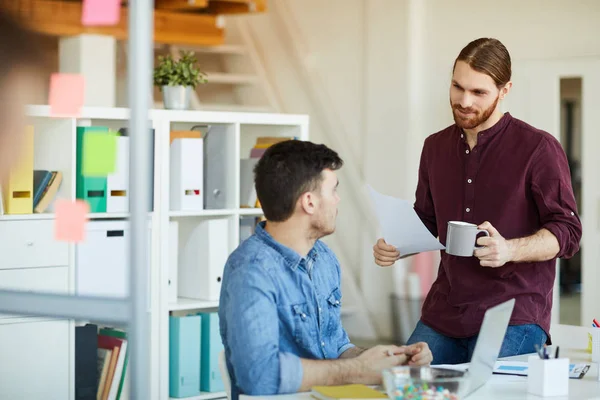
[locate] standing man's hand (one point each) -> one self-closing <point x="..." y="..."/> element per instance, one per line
<point x="497" y="250"/>
<point x="385" y="254"/>
<point x="418" y="353"/>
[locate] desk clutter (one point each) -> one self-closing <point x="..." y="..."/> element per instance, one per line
<point x="101" y="358"/>
<point x="194" y="348"/>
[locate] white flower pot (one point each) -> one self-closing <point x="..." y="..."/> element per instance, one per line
<point x="177" y="97"/>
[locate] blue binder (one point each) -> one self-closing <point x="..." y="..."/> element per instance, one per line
<point x="210" y="375"/>
<point x="184" y="356"/>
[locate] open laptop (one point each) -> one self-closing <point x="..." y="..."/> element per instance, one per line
<point x="487" y="347"/>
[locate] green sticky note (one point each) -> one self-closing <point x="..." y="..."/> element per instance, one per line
<point x="99" y="153"/>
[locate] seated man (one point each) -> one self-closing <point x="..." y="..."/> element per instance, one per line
<point x="280" y="300"/>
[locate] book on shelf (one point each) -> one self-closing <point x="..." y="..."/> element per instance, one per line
<point x="45" y="187"/>
<point x="114" y="377"/>
<point x="86" y="350"/>
<point x="122" y="391"/>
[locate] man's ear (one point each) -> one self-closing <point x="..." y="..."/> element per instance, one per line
<point x="505" y="90"/>
<point x="307" y="202"/>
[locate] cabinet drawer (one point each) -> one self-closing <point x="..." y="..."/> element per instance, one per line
<point x="54" y="280"/>
<point x="34" y="361"/>
<point x="25" y="244"/>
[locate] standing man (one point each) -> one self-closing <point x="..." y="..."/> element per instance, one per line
<point x="511" y="179"/>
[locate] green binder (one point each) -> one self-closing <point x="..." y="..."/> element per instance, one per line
<point x="90" y="188"/>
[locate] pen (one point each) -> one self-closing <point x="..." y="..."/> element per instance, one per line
<point x="596" y="322"/>
<point x="538" y="350"/>
<point x="545" y="352"/>
<point x="556" y="354"/>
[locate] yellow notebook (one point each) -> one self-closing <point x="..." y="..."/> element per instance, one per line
<point x="346" y="392"/>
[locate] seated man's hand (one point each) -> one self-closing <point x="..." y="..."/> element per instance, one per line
<point x="418" y="354"/>
<point x="374" y="360"/>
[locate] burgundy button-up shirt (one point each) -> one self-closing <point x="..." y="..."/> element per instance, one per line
<point x="517" y="178"/>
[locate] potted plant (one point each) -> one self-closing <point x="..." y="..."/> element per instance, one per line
<point x="177" y="79"/>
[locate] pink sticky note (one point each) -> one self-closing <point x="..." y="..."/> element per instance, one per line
<point x="100" y="12"/>
<point x="71" y="217"/>
<point x="66" y="95"/>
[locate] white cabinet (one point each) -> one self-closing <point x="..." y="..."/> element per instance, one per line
<point x="49" y="280"/>
<point x="27" y="244"/>
<point x="34" y="361"/>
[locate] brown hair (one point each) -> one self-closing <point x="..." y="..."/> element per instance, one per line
<point x="488" y="56"/>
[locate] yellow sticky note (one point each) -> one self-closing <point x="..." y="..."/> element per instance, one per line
<point x="71" y="217"/>
<point x="99" y="153"/>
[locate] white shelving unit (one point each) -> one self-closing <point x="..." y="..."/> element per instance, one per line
<point x="54" y="266"/>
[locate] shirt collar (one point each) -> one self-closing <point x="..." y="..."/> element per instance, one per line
<point x="487" y="134"/>
<point x="291" y="257"/>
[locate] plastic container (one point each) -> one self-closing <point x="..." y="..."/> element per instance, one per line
<point x="423" y="383"/>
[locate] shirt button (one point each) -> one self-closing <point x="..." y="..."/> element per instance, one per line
<point x="320" y="309"/>
<point x="462" y="136"/>
<point x="303" y="316"/>
<point x="469" y="181"/>
<point x="467" y="151"/>
<point x="337" y="302"/>
<point x="323" y="344"/>
<point x="468" y="210"/>
<point x="572" y="213"/>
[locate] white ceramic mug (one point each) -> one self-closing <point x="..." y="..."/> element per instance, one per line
<point x="461" y="239"/>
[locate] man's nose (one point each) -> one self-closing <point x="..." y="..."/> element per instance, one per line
<point x="465" y="101"/>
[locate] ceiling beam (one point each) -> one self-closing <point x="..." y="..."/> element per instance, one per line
<point x="62" y="18"/>
<point x="180" y="5"/>
<point x="236" y="6"/>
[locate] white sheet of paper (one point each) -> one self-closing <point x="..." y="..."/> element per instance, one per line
<point x="401" y="226"/>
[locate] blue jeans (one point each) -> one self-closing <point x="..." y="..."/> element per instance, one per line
<point x="519" y="339"/>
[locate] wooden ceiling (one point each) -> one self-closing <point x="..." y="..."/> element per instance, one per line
<point x="187" y="22"/>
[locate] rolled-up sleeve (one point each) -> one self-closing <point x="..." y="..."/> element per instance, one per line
<point x="553" y="195"/>
<point x="253" y="336"/>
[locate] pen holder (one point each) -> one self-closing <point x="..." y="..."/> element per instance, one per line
<point x="594" y="336"/>
<point x="548" y="377"/>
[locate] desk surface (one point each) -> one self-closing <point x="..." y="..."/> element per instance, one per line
<point x="572" y="341"/>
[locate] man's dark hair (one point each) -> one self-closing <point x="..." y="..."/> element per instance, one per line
<point x="19" y="46"/>
<point x="287" y="170"/>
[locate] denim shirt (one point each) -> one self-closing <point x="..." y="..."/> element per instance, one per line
<point x="275" y="308"/>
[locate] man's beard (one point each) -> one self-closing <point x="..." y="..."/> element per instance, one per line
<point x="477" y="118"/>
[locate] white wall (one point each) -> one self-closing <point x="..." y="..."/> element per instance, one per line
<point x="374" y="76"/>
<point x="532" y="29"/>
